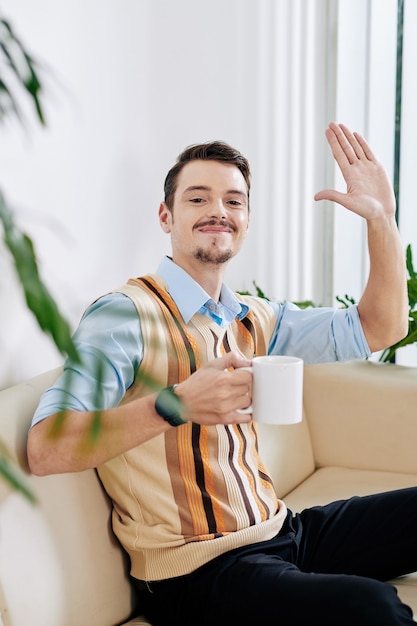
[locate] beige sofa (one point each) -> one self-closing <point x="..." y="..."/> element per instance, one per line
<point x="59" y="562"/>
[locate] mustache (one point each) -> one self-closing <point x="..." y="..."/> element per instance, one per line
<point x="214" y="222"/>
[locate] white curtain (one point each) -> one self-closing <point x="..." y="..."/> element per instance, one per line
<point x="295" y="87"/>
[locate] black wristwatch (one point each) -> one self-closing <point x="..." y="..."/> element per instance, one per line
<point x="168" y="406"/>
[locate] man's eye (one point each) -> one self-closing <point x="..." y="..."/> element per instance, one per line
<point x="234" y="202"/>
<point x="196" y="200"/>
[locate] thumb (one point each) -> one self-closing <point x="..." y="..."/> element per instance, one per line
<point x="332" y="195"/>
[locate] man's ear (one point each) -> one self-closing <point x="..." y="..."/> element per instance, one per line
<point x="165" y="217"/>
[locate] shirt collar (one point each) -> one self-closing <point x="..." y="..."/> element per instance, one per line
<point x="190" y="297"/>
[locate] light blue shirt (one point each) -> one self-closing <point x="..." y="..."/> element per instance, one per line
<point x="109" y="340"/>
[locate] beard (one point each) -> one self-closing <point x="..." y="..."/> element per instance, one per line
<point x="213" y="256"/>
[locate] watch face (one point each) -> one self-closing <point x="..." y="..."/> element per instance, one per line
<point x="168" y="406"/>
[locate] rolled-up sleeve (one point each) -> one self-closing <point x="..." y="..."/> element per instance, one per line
<point x="318" y="335"/>
<point x="109" y="343"/>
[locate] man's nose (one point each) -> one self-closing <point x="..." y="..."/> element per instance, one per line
<point x="218" y="208"/>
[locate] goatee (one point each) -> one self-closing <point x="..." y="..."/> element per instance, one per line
<point x="213" y="257"/>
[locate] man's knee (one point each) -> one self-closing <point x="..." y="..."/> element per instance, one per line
<point x="373" y="603"/>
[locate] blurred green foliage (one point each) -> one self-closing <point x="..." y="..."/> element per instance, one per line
<point x="19" y="81"/>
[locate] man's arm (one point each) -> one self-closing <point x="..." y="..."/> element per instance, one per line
<point x="210" y="396"/>
<point x="383" y="307"/>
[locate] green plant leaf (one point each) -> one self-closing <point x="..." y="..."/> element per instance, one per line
<point x="412" y="292"/>
<point x="38" y="298"/>
<point x="24" y="68"/>
<point x="346" y="301"/>
<point x="306" y="304"/>
<point x="259" y="292"/>
<point x="409" y="262"/>
<point x="12" y="475"/>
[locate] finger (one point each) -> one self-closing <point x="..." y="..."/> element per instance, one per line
<point x="239" y="377"/>
<point x="240" y="381"/>
<point x="365" y="147"/>
<point x="359" y="145"/>
<point x="231" y="360"/>
<point x="350" y="143"/>
<point x="244" y="401"/>
<point x="342" y="158"/>
<point x="239" y="418"/>
<point x="332" y="195"/>
<point x="346" y="144"/>
<point x="339" y="198"/>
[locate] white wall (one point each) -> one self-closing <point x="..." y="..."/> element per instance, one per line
<point x="130" y="83"/>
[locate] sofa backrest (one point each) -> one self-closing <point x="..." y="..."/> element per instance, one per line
<point x="59" y="561"/>
<point x="337" y="397"/>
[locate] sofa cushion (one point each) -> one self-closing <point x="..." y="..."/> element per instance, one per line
<point x="329" y="484"/>
<point x="287" y="453"/>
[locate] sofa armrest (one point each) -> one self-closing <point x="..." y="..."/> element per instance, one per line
<point x="363" y="415"/>
<point x="17" y="405"/>
<point x="61" y="551"/>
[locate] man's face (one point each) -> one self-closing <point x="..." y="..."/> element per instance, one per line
<point x="210" y="214"/>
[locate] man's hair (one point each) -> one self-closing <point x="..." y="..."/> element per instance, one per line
<point x="210" y="151"/>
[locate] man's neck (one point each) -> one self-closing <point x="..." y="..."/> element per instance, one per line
<point x="208" y="275"/>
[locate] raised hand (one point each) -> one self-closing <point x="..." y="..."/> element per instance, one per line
<point x="369" y="191"/>
<point x="383" y="307"/>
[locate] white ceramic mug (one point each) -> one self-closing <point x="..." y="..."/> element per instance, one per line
<point x="277" y="389"/>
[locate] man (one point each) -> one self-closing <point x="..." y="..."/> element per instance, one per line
<point x="193" y="505"/>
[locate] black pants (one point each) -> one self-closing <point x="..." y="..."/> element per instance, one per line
<point x="325" y="567"/>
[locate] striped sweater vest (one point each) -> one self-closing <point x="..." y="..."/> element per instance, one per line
<point x="193" y="492"/>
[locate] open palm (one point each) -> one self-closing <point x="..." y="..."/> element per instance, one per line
<point x="369" y="191"/>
